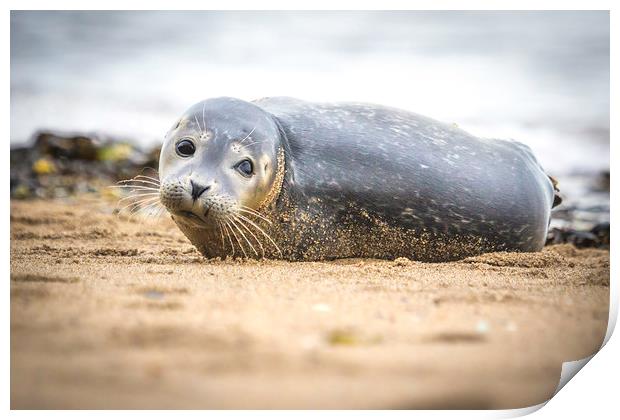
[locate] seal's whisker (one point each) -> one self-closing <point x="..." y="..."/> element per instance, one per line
<point x="141" y="187"/>
<point x="252" y="143"/>
<point x="248" y="136"/>
<point x="153" y="212"/>
<point x="140" y="208"/>
<point x="141" y="183"/>
<point x="143" y="209"/>
<point x="232" y="220"/>
<point x="247" y="213"/>
<point x="261" y="230"/>
<point x="219" y="225"/>
<point x="251" y="233"/>
<point x="129" y="197"/>
<point x="139" y="192"/>
<point x="150" y="178"/>
<point x="253" y="212"/>
<point x="155" y="204"/>
<point x="232" y="247"/>
<point x="235" y="226"/>
<point x="132" y="212"/>
<point x="138" y="181"/>
<point x="138" y="203"/>
<point x="203" y="117"/>
<point x="142" y="200"/>
<point x="199" y="127"/>
<point x="138" y="189"/>
<point x="151" y="168"/>
<point x="236" y="237"/>
<point x="241" y="206"/>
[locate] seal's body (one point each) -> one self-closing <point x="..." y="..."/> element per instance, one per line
<point x="350" y="180"/>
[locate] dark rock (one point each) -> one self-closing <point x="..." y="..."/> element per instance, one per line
<point x="581" y="239"/>
<point x="601" y="231"/>
<point x="66" y="146"/>
<point x="59" y="164"/>
<point x="21" y="156"/>
<point x="602" y="182"/>
<point x="556" y="236"/>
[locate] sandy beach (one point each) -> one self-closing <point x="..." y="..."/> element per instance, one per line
<point x="108" y="312"/>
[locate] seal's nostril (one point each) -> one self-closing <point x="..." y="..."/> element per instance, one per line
<point x="197" y="189"/>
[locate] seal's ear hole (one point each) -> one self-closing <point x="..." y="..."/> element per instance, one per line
<point x="266" y="166"/>
<point x="177" y="126"/>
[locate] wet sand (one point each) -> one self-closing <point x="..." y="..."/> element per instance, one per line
<point x="108" y="312"/>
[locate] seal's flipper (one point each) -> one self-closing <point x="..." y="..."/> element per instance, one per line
<point x="557" y="199"/>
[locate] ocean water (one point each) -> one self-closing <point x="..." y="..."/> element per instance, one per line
<point x="538" y="77"/>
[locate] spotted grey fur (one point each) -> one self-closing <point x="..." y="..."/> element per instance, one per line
<point x="361" y="180"/>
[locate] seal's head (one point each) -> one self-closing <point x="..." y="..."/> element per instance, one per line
<point x="221" y="158"/>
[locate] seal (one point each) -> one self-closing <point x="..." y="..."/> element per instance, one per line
<point x="285" y="178"/>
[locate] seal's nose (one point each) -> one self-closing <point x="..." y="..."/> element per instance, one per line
<point x="197" y="189"/>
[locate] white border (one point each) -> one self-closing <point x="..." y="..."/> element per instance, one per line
<point x="595" y="391"/>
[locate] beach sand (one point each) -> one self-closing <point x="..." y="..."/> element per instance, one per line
<point x="108" y="312"/>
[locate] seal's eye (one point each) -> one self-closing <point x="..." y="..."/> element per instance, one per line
<point x="245" y="168"/>
<point x="185" y="148"/>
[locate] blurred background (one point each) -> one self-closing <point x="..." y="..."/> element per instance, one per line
<point x="541" y="78"/>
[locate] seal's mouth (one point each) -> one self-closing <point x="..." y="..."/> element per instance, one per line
<point x="189" y="215"/>
<point x="194" y="218"/>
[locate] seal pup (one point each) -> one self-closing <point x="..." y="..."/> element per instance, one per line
<point x="285" y="178"/>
